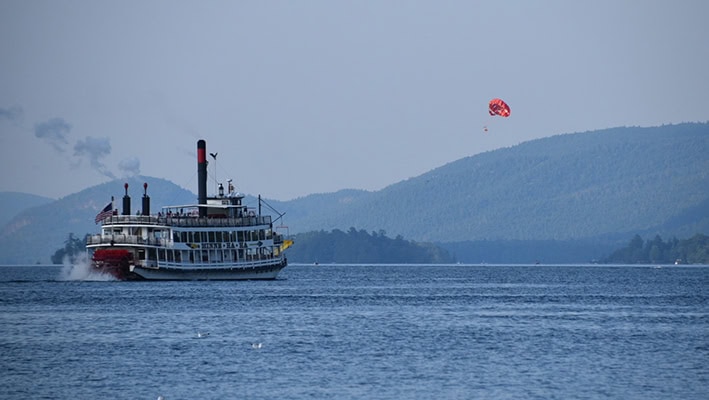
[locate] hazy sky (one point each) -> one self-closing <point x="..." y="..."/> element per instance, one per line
<point x="301" y="97"/>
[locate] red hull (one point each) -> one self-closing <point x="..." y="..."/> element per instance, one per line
<point x="114" y="262"/>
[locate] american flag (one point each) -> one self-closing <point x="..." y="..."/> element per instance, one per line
<point x="105" y="213"/>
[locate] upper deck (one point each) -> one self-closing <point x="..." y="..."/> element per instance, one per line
<point x="187" y="221"/>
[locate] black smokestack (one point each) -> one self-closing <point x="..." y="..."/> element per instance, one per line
<point x="146" y="200"/>
<point x="202" y="176"/>
<point x="126" y="201"/>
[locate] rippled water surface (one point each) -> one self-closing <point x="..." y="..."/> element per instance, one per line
<point x="361" y="332"/>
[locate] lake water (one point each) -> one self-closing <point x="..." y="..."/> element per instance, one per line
<point x="360" y="332"/>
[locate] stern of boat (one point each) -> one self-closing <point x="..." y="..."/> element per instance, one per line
<point x="115" y="262"/>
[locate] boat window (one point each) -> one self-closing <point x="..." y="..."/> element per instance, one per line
<point x="176" y="236"/>
<point x="204" y="237"/>
<point x="211" y="236"/>
<point x="184" y="237"/>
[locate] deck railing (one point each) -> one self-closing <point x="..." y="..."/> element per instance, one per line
<point x="134" y="239"/>
<point x="186" y="221"/>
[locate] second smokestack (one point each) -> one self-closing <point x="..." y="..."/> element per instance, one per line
<point x="202" y="176"/>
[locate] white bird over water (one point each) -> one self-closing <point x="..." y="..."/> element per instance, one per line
<point x="202" y="334"/>
<point x="256" y="345"/>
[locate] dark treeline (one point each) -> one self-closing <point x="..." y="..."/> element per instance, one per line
<point x="694" y="250"/>
<point x="73" y="246"/>
<point x="361" y="247"/>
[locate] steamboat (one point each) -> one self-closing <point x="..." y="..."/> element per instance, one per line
<point x="219" y="238"/>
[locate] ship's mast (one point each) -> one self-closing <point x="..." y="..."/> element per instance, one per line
<point x="216" y="184"/>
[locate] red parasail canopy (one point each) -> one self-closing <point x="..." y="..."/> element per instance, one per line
<point x="499" y="107"/>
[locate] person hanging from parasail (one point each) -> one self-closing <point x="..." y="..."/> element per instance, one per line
<point x="498" y="107"/>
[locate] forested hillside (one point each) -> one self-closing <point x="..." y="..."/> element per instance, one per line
<point x="608" y="184"/>
<point x="12" y="203"/>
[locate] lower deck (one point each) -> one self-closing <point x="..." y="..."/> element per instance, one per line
<point x="126" y="264"/>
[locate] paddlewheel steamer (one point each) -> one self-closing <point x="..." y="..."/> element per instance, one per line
<point x="219" y="238"/>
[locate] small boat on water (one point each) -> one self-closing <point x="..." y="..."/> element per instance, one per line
<point x="218" y="238"/>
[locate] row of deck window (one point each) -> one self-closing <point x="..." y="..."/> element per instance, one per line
<point x="222" y="236"/>
<point x="207" y="256"/>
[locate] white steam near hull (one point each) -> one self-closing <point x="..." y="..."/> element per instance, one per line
<point x="79" y="269"/>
